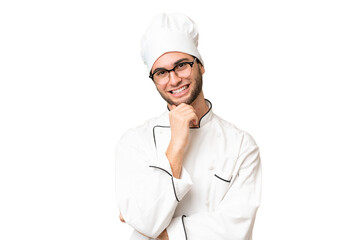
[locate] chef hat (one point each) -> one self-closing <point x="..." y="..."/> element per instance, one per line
<point x="169" y="33"/>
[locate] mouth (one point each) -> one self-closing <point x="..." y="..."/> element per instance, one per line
<point x="180" y="91"/>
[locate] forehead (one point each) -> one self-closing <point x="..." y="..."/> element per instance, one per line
<point x="168" y="59"/>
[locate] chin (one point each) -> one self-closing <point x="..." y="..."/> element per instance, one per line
<point x="189" y="100"/>
<point x="177" y="102"/>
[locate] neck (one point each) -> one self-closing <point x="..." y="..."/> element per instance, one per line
<point x="200" y="106"/>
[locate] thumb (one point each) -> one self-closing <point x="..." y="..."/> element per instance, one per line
<point x="171" y="107"/>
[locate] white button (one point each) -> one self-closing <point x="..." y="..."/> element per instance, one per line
<point x="218" y="135"/>
<point x="211" y="167"/>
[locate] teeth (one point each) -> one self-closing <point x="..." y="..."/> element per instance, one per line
<point x="180" y="90"/>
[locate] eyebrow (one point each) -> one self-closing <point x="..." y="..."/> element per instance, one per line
<point x="181" y="60"/>
<point x="175" y="63"/>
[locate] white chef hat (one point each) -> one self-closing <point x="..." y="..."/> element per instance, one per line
<point x="169" y="33"/>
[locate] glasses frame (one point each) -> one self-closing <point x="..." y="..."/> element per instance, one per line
<point x="173" y="69"/>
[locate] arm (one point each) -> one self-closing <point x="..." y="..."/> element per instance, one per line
<point x="180" y="117"/>
<point x="162" y="236"/>
<point x="146" y="196"/>
<point x="234" y="217"/>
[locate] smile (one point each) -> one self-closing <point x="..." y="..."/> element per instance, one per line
<point x="180" y="91"/>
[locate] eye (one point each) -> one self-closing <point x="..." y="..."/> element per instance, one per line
<point x="160" y="73"/>
<point x="181" y="66"/>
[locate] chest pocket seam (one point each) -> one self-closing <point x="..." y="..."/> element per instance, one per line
<point x="228" y="181"/>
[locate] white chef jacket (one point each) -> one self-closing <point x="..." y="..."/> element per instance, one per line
<point x="217" y="195"/>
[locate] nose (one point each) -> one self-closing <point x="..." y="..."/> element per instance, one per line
<point x="173" y="78"/>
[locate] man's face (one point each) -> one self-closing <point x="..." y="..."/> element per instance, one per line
<point x="179" y="90"/>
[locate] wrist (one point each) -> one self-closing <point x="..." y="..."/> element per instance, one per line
<point x="176" y="147"/>
<point x="175" y="157"/>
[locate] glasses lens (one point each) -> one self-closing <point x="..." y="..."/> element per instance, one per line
<point x="161" y="76"/>
<point x="183" y="70"/>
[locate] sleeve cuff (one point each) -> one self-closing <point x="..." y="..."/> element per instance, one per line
<point x="176" y="230"/>
<point x="137" y="236"/>
<point x="182" y="185"/>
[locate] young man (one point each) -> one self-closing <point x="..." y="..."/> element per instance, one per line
<point x="186" y="174"/>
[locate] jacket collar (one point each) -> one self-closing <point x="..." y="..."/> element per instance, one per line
<point x="207" y="116"/>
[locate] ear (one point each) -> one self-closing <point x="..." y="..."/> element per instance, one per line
<point x="202" y="69"/>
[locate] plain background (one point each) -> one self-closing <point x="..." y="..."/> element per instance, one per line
<point x="72" y="81"/>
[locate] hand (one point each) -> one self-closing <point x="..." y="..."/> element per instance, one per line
<point x="181" y="118"/>
<point x="163" y="236"/>
<point x="121" y="218"/>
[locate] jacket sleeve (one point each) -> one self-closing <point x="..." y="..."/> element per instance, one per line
<point x="147" y="193"/>
<point x="234" y="217"/>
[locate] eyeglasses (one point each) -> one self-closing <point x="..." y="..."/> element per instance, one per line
<point x="182" y="70"/>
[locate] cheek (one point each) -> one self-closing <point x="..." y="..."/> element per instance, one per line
<point x="161" y="88"/>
